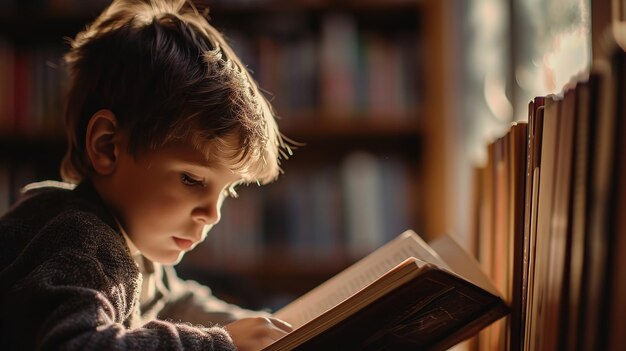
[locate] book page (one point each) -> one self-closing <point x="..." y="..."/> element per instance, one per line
<point x="462" y="263"/>
<point x="358" y="276"/>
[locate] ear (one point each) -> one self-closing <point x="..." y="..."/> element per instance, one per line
<point x="102" y="141"/>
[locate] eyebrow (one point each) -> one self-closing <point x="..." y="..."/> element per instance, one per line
<point x="200" y="164"/>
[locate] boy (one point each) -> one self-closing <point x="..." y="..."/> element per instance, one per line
<point x="163" y="122"/>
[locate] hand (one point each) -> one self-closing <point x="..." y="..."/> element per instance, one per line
<point x="251" y="334"/>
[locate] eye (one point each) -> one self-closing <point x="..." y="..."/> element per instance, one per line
<point x="190" y="181"/>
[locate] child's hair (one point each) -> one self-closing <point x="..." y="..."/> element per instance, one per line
<point x="168" y="76"/>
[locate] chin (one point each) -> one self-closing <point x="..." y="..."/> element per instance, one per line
<point x="168" y="259"/>
<point x="177" y="260"/>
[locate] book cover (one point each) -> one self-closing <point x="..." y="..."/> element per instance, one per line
<point x="616" y="338"/>
<point x="530" y="189"/>
<point x="538" y="283"/>
<point x="517" y="214"/>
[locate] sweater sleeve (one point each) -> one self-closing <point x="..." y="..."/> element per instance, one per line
<point x="74" y="287"/>
<point x="194" y="303"/>
<point x="69" y="303"/>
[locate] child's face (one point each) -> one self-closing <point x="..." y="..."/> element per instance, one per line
<point x="167" y="200"/>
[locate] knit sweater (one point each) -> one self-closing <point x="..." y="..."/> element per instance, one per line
<point x="67" y="281"/>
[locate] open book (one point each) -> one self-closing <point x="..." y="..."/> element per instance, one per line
<point x="405" y="295"/>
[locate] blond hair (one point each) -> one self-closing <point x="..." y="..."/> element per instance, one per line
<point x="168" y="76"/>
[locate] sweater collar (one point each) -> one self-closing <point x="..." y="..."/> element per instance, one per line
<point x="86" y="190"/>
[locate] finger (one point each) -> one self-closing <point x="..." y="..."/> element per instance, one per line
<point x="275" y="333"/>
<point x="282" y="325"/>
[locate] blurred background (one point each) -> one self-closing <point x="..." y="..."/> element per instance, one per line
<point x="395" y="100"/>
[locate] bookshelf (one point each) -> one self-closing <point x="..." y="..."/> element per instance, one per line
<point x="323" y="64"/>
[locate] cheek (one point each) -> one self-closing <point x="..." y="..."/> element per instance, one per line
<point x="166" y="205"/>
<point x="163" y="208"/>
<point x="152" y="203"/>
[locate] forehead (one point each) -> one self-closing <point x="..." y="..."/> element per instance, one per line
<point x="188" y="155"/>
<point x="182" y="152"/>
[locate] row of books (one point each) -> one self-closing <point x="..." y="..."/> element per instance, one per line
<point x="31" y="88"/>
<point x="12" y="178"/>
<point x="550" y="219"/>
<point x="343" y="69"/>
<point x="337" y="72"/>
<point x="331" y="213"/>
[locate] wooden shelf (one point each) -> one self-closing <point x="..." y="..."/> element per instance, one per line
<point x="285" y="266"/>
<point x="287" y="16"/>
<point x="301" y="127"/>
<point x="307" y="5"/>
<point x="326" y="126"/>
<point x="7" y="136"/>
<point x="31" y="147"/>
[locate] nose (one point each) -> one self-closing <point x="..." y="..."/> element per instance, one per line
<point x="208" y="213"/>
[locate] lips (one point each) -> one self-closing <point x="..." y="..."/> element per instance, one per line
<point x="183" y="244"/>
